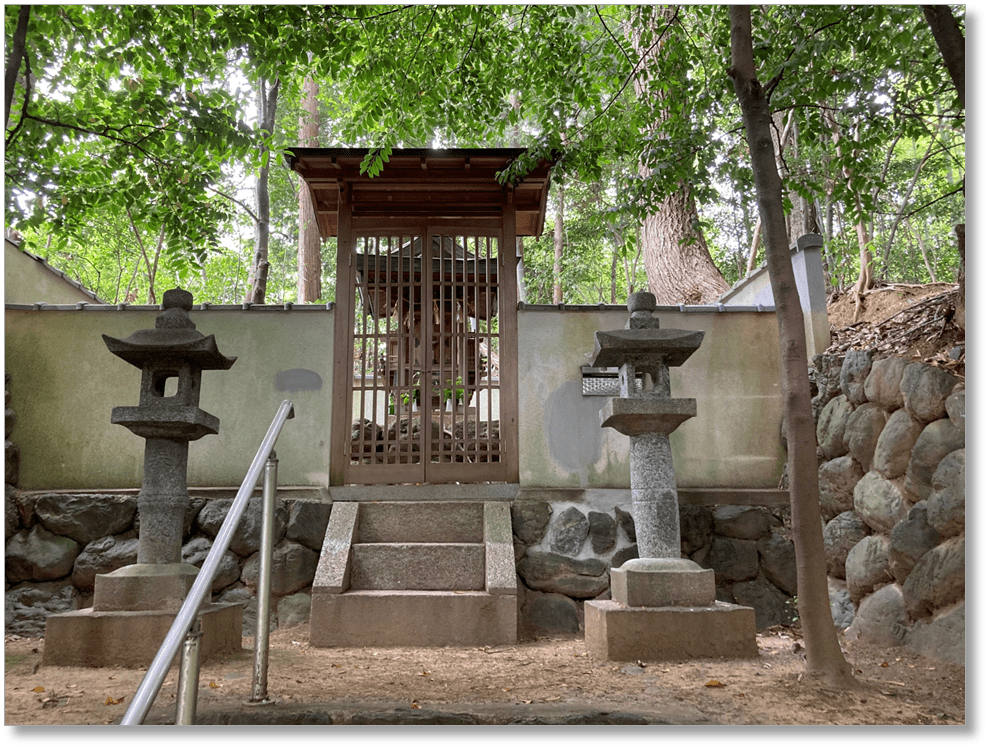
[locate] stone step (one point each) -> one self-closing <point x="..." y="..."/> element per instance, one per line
<point x="379" y="618"/>
<point x="417" y="566"/>
<point x="421" y="522"/>
<point x="415" y="573"/>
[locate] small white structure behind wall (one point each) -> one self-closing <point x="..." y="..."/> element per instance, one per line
<point x="29" y="279"/>
<point x="808" y="272"/>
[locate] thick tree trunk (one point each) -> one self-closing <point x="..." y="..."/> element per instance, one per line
<point x="258" y="287"/>
<point x="310" y="287"/>
<point x="678" y="263"/>
<point x="825" y="661"/>
<point x="951" y="43"/>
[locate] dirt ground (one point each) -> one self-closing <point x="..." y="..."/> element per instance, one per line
<point x="881" y="302"/>
<point x="896" y="687"/>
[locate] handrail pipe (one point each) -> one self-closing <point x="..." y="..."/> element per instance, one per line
<point x="155" y="676"/>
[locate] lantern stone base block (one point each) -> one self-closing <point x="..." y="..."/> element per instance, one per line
<point x="130" y="639"/>
<point x="662" y="582"/>
<point x="144" y="587"/>
<point x="615" y="632"/>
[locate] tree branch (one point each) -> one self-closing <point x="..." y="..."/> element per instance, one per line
<point x="635" y="71"/>
<point x="235" y="201"/>
<point x="618" y="44"/>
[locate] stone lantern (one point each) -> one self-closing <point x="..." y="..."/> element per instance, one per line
<point x="662" y="606"/>
<point x="134" y="606"/>
<point x="173" y="353"/>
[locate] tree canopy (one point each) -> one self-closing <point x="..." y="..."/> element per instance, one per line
<point x="143" y="118"/>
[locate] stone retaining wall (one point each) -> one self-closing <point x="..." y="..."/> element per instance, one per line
<point x="564" y="552"/>
<point x="891" y="447"/>
<point x="891" y="437"/>
<point x="56" y="544"/>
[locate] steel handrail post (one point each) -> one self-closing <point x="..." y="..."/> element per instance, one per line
<point x="187" y="689"/>
<point x="155" y="676"/>
<point x="259" y="681"/>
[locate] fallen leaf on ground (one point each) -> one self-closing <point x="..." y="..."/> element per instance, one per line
<point x="38" y="689"/>
<point x="714" y="683"/>
<point x="111" y="701"/>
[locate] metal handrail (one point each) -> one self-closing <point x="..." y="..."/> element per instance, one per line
<point x="189" y="611"/>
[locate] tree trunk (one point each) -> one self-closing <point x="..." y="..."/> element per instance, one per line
<point x="310" y="266"/>
<point x="516" y="104"/>
<point x="950" y="42"/>
<point x="558" y="251"/>
<point x="678" y="263"/>
<point x="864" y="281"/>
<point x="258" y="287"/>
<point x="825" y="662"/>
<point x="960" y="299"/>
<point x="18" y="45"/>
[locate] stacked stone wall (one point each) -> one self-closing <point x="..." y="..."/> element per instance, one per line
<point x="891" y="447"/>
<point x="56" y="544"/>
<point x="564" y="552"/>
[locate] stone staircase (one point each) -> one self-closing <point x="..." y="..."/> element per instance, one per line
<point x="397" y="573"/>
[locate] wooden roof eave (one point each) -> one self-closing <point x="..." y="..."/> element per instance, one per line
<point x="421" y="183"/>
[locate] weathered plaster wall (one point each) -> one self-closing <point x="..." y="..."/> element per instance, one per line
<point x="68" y="383"/>
<point x="733" y="441"/>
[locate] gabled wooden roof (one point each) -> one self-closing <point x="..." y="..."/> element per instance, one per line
<point x="422" y="182"/>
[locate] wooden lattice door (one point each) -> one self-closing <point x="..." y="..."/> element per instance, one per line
<point x="426" y="398"/>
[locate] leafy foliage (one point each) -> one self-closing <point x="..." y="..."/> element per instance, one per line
<point x="141" y="118"/>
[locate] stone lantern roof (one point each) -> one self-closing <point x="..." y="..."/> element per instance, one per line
<point x="174" y="336"/>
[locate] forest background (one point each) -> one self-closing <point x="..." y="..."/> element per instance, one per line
<point x="144" y="144"/>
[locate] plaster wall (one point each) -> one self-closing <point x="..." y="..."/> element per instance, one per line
<point x="734" y="441"/>
<point x="65" y="384"/>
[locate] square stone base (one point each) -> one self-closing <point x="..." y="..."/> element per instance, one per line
<point x="613" y="632"/>
<point x="130" y="639"/>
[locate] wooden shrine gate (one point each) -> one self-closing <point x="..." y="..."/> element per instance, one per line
<point x="425" y="374"/>
<point x="426" y="397"/>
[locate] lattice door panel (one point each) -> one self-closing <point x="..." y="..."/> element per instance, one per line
<point x="464" y="375"/>
<point x="426" y="387"/>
